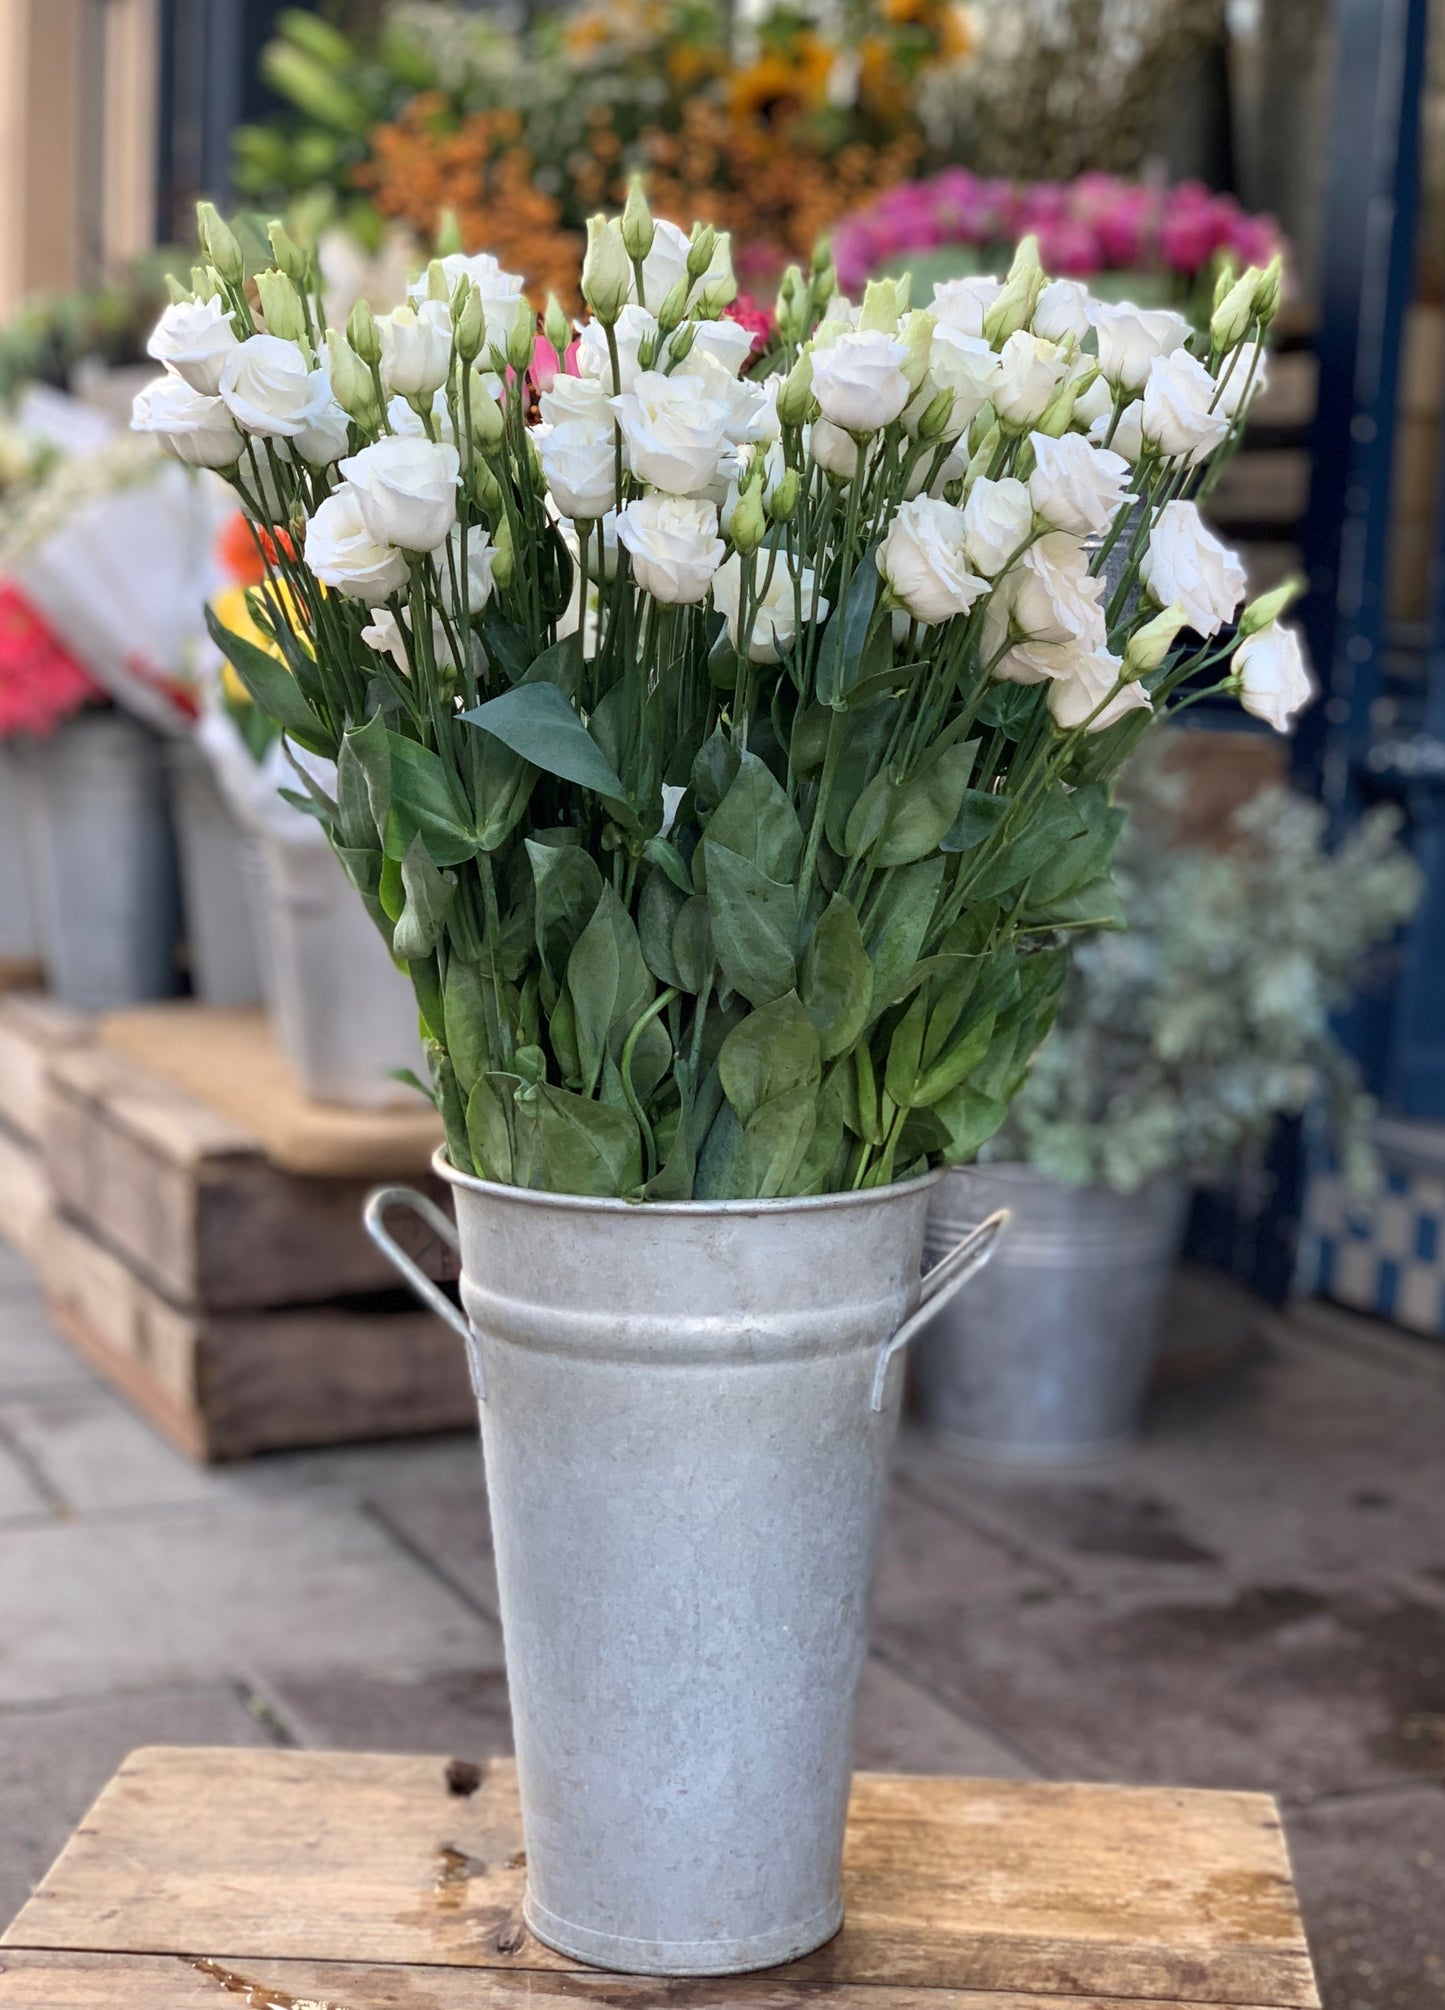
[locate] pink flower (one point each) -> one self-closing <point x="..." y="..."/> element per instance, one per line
<point x="546" y="365"/>
<point x="757" y="320"/>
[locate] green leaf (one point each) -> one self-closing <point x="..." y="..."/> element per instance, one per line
<point x="956" y="1063"/>
<point x="594" y="970"/>
<point x="568" y="887"/>
<point x="714" y="770"/>
<point x="661" y="851"/>
<point x="840" y="659"/>
<point x="776" y="1139"/>
<point x="502" y="784"/>
<point x="359" y="829"/>
<point x="896" y="934"/>
<point x="561" y="665"/>
<point x="754" y="923"/>
<point x="507" y="646"/>
<point x="692" y="950"/>
<point x="273" y="688"/>
<point x="771" y="1053"/>
<point x="971" y="1119"/>
<point x="658" y="908"/>
<point x="428" y="895"/>
<point x="756" y="820"/>
<point x="1083" y="858"/>
<point x="978" y="819"/>
<point x="836" y="979"/>
<point x="536" y="721"/>
<point x="466" y="1022"/>
<point x="866" y="735"/>
<point x="723" y="1169"/>
<point x="923" y="810"/>
<point x="1096" y="905"/>
<point x="1052" y="822"/>
<point x="489" y="1126"/>
<point x="587" y="1147"/>
<point x="905" y="1052"/>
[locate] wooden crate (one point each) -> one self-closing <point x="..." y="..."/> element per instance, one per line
<point x="33" y="1031"/>
<point x="331" y="1879"/>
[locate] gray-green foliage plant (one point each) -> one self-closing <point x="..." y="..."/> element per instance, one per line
<point x="727" y="759"/>
<point x="1181" y="1040"/>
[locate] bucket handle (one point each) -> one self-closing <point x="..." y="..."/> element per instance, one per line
<point x="374" y="1216"/>
<point x="949" y="1274"/>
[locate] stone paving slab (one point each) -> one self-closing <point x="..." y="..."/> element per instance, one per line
<point x="187" y="1595"/>
<point x="1371" y="1876"/>
<point x="31" y="1358"/>
<point x="20" y="1498"/>
<point x="53" y="1763"/>
<point x="97" y="1458"/>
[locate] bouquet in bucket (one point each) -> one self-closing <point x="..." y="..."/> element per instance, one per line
<point x="724" y="747"/>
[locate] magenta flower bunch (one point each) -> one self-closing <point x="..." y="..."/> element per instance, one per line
<point x="1093" y="224"/>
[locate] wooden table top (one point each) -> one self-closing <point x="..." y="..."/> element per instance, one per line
<point x="340" y="1881"/>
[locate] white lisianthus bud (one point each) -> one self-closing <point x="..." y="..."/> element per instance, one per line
<point x="558" y="327"/>
<point x="1094" y="401"/>
<point x="1076" y="487"/>
<point x="795" y="392"/>
<point x="962" y="303"/>
<point x="1181" y="410"/>
<point x="478" y="573"/>
<point x="1272" y="678"/>
<point x="936" y="421"/>
<point x="1079" y="696"/>
<point x="363" y="335"/>
<point x="281" y="307"/>
<point x="416" y="348"/>
<point x="634" y="326"/>
<point x="674" y="546"/>
<point x="488" y="426"/>
<point x="700" y="249"/>
<point x="351" y="383"/>
<point x="638" y="229"/>
<point x="1029" y="373"/>
<point x="997" y="518"/>
<point x="664" y="270"/>
<point x="1149" y="646"/>
<point x="288" y="254"/>
<point x="1058" y="415"/>
<point x="773" y="613"/>
<point x="1127" y="437"/>
<point x="1013" y="308"/>
<point x="748" y="521"/>
<point x="189" y="426"/>
<point x="606" y="270"/>
<point x="1268" y="292"/>
<point x="885" y="301"/>
<point x="406" y="491"/>
<point x="924" y="560"/>
<point x="1186" y="563"/>
<point x="218" y="242"/>
<point x="675" y="433"/>
<point x="469" y="323"/>
<point x="784" y="498"/>
<point x="579" y="460"/>
<point x="268" y="387"/>
<point x="859" y="381"/>
<point x="504" y="555"/>
<point x="1065" y="307"/>
<point x="342" y="552"/>
<point x="194" y="338"/>
<point x="835" y="451"/>
<point x="1270" y="606"/>
<point x="1131" y="337"/>
<point x="1229" y="323"/>
<point x="915" y="332"/>
<point x="180" y="296"/>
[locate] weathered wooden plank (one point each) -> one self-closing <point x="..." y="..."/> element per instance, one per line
<point x="225" y="1385"/>
<point x="952" y="1884"/>
<point x="43" y="1981"/>
<point x="25" y="1200"/>
<point x="34" y="1029"/>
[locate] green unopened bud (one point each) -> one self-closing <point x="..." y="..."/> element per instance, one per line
<point x="1058" y="414"/>
<point x="716" y="295"/>
<point x="180" y="295"/>
<point x="288" y="254"/>
<point x="486" y="488"/>
<point x="884" y="302"/>
<point x="559" y="328"/>
<point x="981" y="459"/>
<point x="825" y="285"/>
<point x="281" y="306"/>
<point x="1224" y="278"/>
<point x="205" y="282"/>
<point x="606" y="270"/>
<point x="822" y="259"/>
<point x="933" y="425"/>
<point x="749" y="522"/>
<point x="363" y="334"/>
<point x="534" y="466"/>
<point x="984" y="430"/>
<point x="790" y="310"/>
<point x="1148" y="646"/>
<point x="674" y="306"/>
<point x="1268" y="292"/>
<point x="679" y="347"/>
<point x="522" y="341"/>
<point x="795" y="392"/>
<point x="700" y="249"/>
<point x="638" y="228"/>
<point x="784" y="498"/>
<point x="488" y="429"/>
<point x="1270" y="606"/>
<point x="469" y="322"/>
<point x="915" y="332"/>
<point x="351" y="384"/>
<point x="1229" y="323"/>
<point x="449" y="234"/>
<point x="504" y="559"/>
<point x="1014" y="307"/>
<point x="218" y="241"/>
<point x="436" y="281"/>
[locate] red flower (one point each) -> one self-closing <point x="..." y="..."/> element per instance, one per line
<point x="757" y="320"/>
<point x="40" y="686"/>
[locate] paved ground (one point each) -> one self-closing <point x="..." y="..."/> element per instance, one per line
<point x="1254" y="1598"/>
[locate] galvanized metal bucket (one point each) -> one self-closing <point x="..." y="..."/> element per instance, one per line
<point x="224" y="966"/>
<point x="101" y="851"/>
<point x="1046" y="1363"/>
<point x="686" y="1413"/>
<point x="19" y="935"/>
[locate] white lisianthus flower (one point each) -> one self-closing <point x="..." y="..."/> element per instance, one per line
<point x="925" y="563"/>
<point x="718" y="383"/>
<point x="575" y="398"/>
<point x="664" y="265"/>
<point x="1065" y="307"/>
<point x="1097" y="402"/>
<point x="859" y="381"/>
<point x="774" y="613"/>
<point x="502" y="296"/>
<point x="406" y="491"/>
<point x="1245" y="368"/>
<point x="775" y="466"/>
<point x="1181" y="415"/>
<point x="1076" y="487"/>
<point x="579" y="460"/>
<point x="965" y="365"/>
<point x="1045" y="613"/>
<point x="1029" y="372"/>
<point x="1074" y="698"/>
<point x="601" y="550"/>
<point x="594" y="359"/>
<point x="728" y="344"/>
<point x="1274" y="681"/>
<point x="674" y="545"/>
<point x="1127" y="438"/>
<point x="407" y="421"/>
<point x="1186" y="562"/>
<point x="387" y="637"/>
<point x="342" y="552"/>
<point x="835" y="451"/>
<point x="416" y="349"/>
<point x="480" y="556"/>
<point x="840" y="317"/>
<point x="997" y="517"/>
<point x="326" y="434"/>
<point x="189" y="426"/>
<point x="962" y="303"/>
<point x="269" y="388"/>
<point x="675" y="433"/>
<point x="1130" y="338"/>
<point x="194" y="338"/>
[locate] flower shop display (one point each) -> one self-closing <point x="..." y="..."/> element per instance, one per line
<point x="1130" y="237"/>
<point x="1178" y="1045"/>
<point x="728" y="763"/>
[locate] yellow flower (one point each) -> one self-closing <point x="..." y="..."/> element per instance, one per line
<point x="235" y="607"/>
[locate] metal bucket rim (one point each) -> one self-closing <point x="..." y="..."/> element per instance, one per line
<point x="696" y="1210"/>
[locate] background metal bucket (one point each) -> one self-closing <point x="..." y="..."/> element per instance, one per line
<point x="224" y="965"/>
<point x="101" y="852"/>
<point x="1047" y="1361"/>
<point x="686" y="1414"/>
<point x="19" y="934"/>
